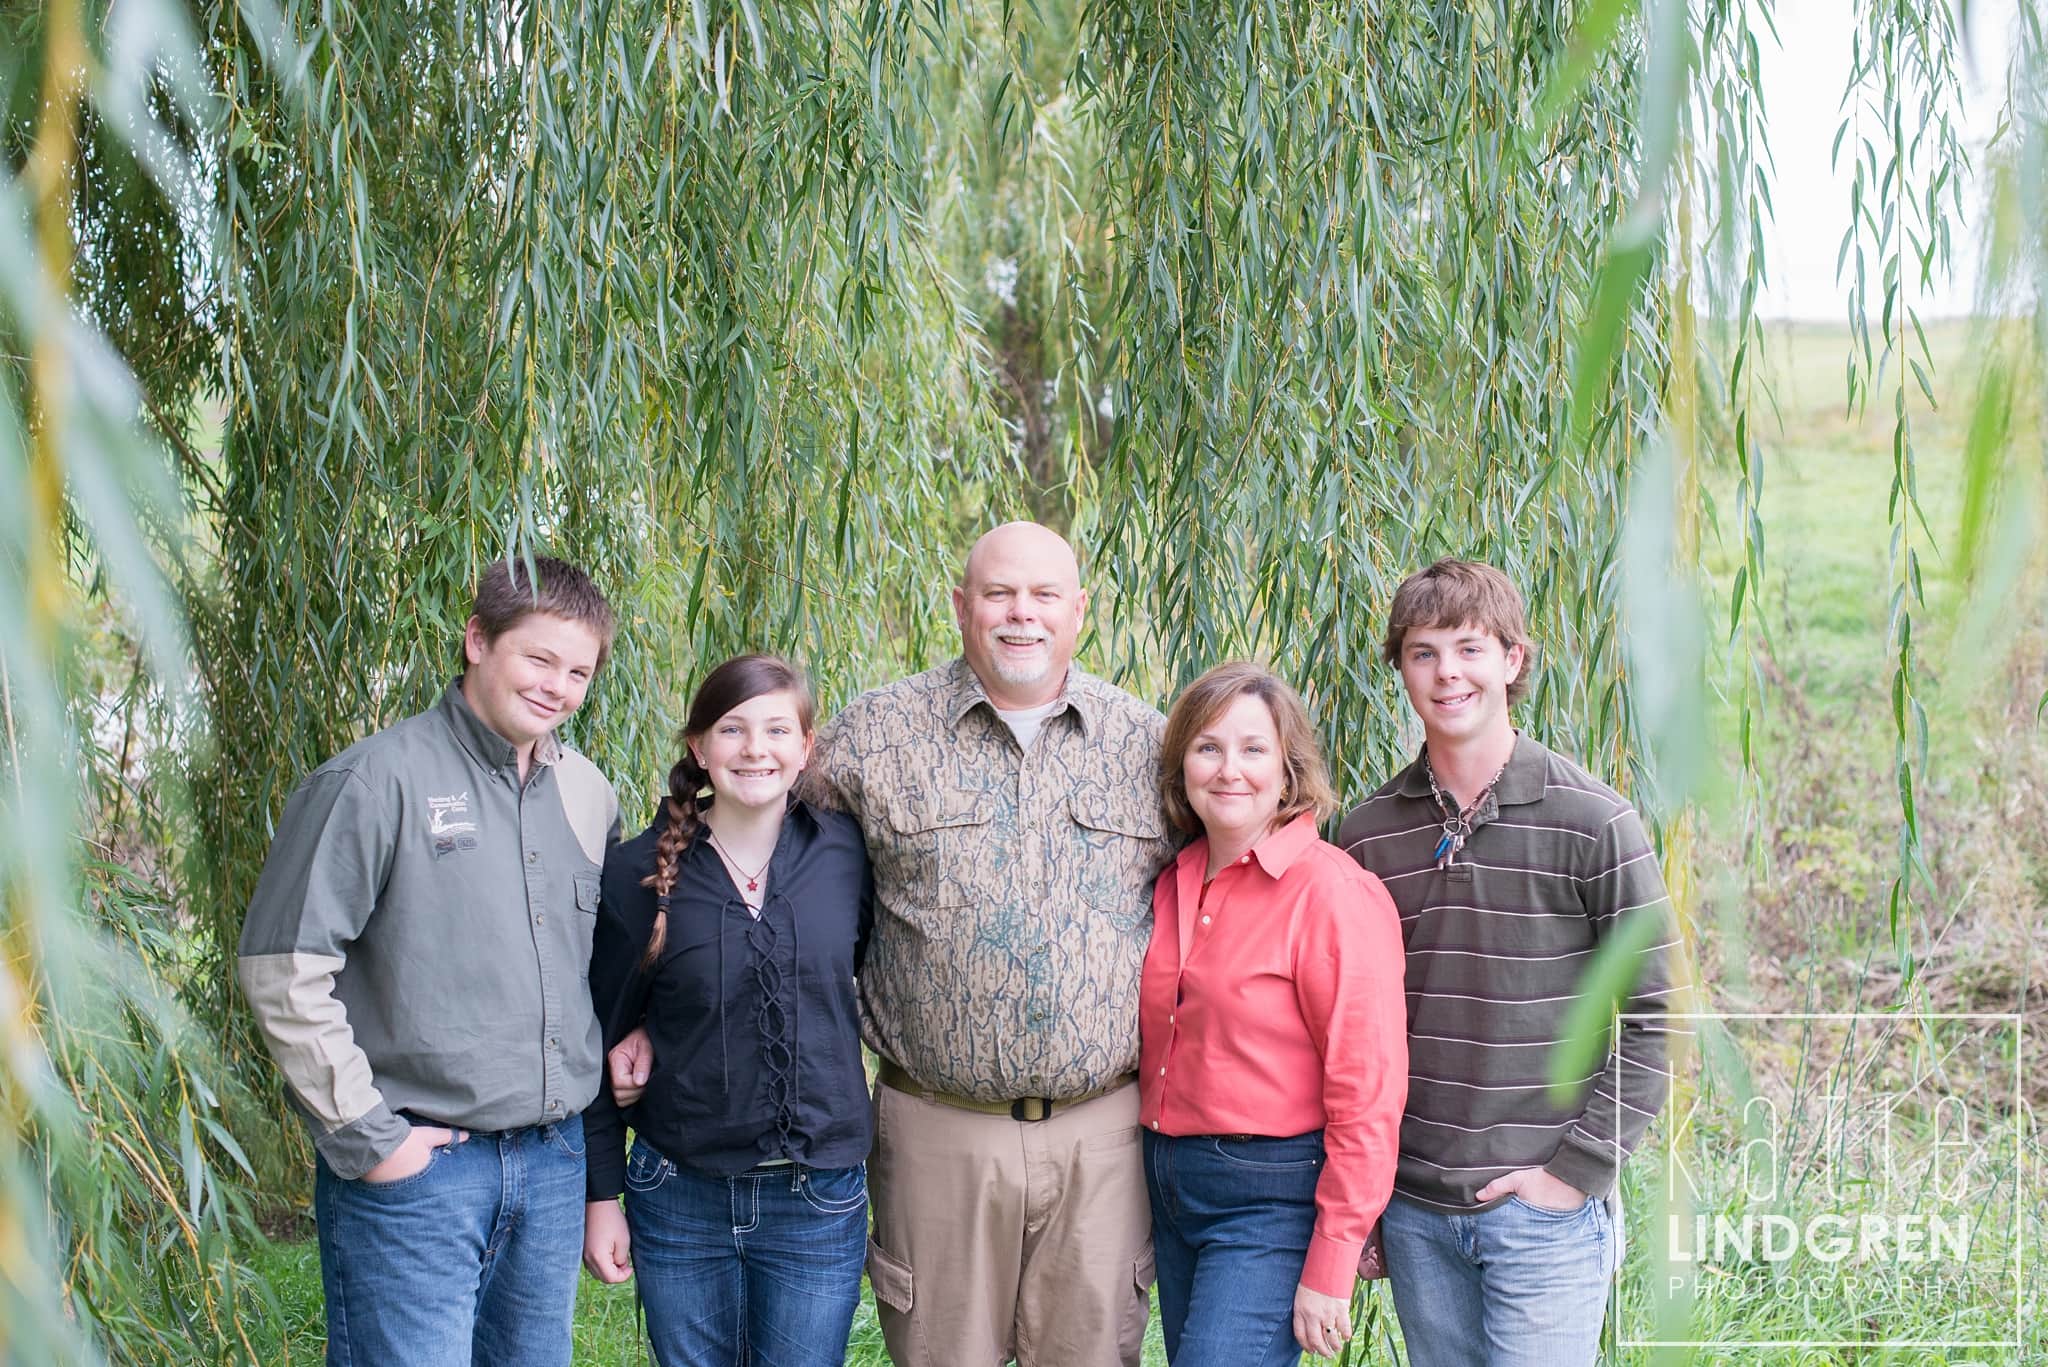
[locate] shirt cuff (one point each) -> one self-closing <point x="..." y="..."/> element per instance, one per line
<point x="1590" y="1172"/>
<point x="604" y="1174"/>
<point x="1332" y="1266"/>
<point x="363" y="1143"/>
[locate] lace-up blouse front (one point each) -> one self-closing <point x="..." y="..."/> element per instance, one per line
<point x="755" y="1020"/>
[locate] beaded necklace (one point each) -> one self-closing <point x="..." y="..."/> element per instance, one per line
<point x="1457" y="824"/>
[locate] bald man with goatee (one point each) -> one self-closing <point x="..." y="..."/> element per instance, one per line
<point x="1010" y="804"/>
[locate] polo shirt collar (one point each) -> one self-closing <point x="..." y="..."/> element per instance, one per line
<point x="1522" y="781"/>
<point x="964" y="690"/>
<point x="1414" y="780"/>
<point x="488" y="748"/>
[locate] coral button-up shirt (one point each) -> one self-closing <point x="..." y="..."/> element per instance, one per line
<point x="1272" y="1004"/>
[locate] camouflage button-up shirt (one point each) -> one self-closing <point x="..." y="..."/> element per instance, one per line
<point x="1013" y="889"/>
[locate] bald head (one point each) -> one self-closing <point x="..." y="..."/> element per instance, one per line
<point x="1023" y="542"/>
<point x="1020" y="605"/>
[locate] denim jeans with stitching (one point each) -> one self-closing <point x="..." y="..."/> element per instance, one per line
<point x="470" y="1262"/>
<point x="1514" y="1285"/>
<point x="1231" y="1222"/>
<point x="762" y="1269"/>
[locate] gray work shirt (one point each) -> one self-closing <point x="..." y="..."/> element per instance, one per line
<point x="420" y="938"/>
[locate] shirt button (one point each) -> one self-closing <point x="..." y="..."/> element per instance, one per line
<point x="533" y="856"/>
<point x="1205" y="920"/>
<point x="540" y="918"/>
<point x="1169" y="1020"/>
<point x="1162" y="1072"/>
<point x="1244" y="859"/>
<point x="1155" y="1124"/>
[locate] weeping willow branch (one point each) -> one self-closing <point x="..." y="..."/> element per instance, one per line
<point x="1907" y="182"/>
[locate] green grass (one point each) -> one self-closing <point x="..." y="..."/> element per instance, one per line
<point x="1827" y="481"/>
<point x="607" y="1328"/>
<point x="1808" y="930"/>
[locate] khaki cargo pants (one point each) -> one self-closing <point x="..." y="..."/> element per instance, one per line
<point x="997" y="1238"/>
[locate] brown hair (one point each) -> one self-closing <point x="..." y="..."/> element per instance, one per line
<point x="1308" y="782"/>
<point x="1455" y="593"/>
<point x="740" y="679"/>
<point x="505" y="597"/>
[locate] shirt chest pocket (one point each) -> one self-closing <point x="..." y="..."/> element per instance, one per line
<point x="1117" y="849"/>
<point x="938" y="853"/>
<point x="583" y="924"/>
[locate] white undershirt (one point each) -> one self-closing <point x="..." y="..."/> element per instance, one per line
<point x="1025" y="721"/>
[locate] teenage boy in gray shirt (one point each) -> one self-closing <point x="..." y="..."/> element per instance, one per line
<point x="1510" y="865"/>
<point x="416" y="955"/>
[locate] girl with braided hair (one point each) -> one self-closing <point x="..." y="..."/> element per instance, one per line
<point x="732" y="928"/>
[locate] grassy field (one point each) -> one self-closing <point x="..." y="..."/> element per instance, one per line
<point x="1805" y="930"/>
<point x="607" y="1330"/>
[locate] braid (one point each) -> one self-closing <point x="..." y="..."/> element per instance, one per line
<point x="680" y="807"/>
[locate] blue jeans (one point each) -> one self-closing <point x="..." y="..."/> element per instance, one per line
<point x="1231" y="1221"/>
<point x="1510" y="1286"/>
<point x="760" y="1269"/>
<point x="470" y="1262"/>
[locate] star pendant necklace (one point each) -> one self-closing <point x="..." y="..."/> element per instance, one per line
<point x="1457" y="823"/>
<point x="754" y="878"/>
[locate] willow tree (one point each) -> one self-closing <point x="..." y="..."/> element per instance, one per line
<point x="760" y="311"/>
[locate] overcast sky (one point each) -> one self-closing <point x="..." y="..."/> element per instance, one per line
<point x="1803" y="81"/>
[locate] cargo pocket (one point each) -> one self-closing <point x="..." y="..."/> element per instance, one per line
<point x="1138" y="1312"/>
<point x="891" y="1279"/>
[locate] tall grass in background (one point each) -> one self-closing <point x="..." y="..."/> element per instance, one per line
<point x="760" y="312"/>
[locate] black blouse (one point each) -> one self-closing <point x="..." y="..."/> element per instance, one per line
<point x="755" y="1022"/>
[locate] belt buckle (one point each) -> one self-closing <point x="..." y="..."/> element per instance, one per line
<point x="1031" y="1108"/>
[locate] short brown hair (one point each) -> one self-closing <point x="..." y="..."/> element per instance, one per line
<point x="505" y="597"/>
<point x="1454" y="593"/>
<point x="1308" y="781"/>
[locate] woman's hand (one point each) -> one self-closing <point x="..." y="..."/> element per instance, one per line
<point x="413" y="1154"/>
<point x="629" y="1063"/>
<point x="607" y="1244"/>
<point x="1322" y="1324"/>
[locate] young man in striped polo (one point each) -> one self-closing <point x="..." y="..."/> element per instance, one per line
<point x="1510" y="866"/>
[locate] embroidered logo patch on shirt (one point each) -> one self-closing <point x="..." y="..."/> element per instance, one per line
<point x="449" y="815"/>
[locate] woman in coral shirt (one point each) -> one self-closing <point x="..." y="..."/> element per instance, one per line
<point x="1274" y="1038"/>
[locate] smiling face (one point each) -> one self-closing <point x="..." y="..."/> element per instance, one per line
<point x="1235" y="772"/>
<point x="524" y="681"/>
<point x="1020" y="606"/>
<point x="1457" y="680"/>
<point x="755" y="752"/>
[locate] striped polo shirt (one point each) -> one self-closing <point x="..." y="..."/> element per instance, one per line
<point x="1497" y="944"/>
